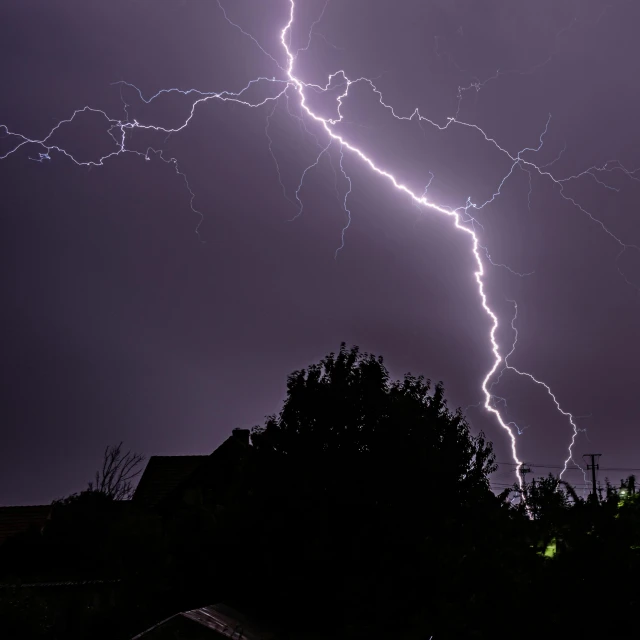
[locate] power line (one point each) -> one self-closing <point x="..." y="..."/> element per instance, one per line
<point x="556" y="466"/>
<point x="507" y="486"/>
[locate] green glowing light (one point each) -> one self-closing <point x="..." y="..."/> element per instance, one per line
<point x="551" y="549"/>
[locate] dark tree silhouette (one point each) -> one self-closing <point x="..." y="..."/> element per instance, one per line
<point x="359" y="487"/>
<point x="346" y="409"/>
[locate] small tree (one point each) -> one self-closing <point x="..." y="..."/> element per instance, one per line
<point x="118" y="472"/>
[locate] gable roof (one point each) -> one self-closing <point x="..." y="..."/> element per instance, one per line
<point x="165" y="475"/>
<point x="162" y="475"/>
<point x="14" y="520"/>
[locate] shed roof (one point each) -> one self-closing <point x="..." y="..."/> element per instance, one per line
<point x="227" y="621"/>
<point x="213" y="621"/>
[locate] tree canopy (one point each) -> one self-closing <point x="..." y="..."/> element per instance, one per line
<point x="363" y="477"/>
<point x="349" y="432"/>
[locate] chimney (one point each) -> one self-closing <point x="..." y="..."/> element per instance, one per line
<point x="242" y="435"/>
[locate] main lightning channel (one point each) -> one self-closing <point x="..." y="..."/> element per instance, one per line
<point x="419" y="199"/>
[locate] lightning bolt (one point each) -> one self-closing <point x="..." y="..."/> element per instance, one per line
<point x="477" y="85"/>
<point x="304" y="173"/>
<point x="344" y="203"/>
<point x="289" y="86"/>
<point x="570" y="417"/>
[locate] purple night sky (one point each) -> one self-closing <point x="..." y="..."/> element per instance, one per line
<point x="123" y="323"/>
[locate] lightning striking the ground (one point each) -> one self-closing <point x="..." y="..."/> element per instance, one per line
<point x="567" y="414"/>
<point x="288" y="88"/>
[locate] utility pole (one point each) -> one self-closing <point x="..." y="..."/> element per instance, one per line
<point x="593" y="466"/>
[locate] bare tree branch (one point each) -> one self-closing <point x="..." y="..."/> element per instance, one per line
<point x="118" y="472"/>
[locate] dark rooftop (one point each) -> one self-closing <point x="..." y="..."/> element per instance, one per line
<point x="68" y="583"/>
<point x="165" y="474"/>
<point x="14" y="520"/>
<point x="162" y="475"/>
